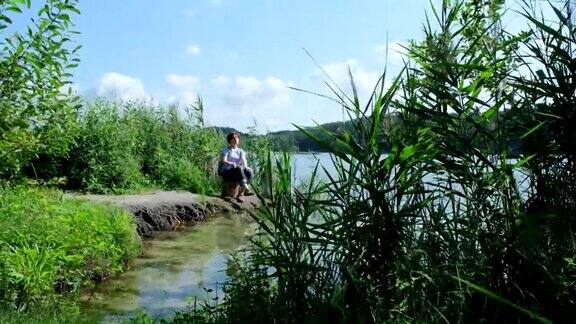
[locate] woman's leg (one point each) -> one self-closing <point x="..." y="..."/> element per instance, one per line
<point x="244" y="175"/>
<point x="246" y="178"/>
<point x="247" y="175"/>
<point x="230" y="179"/>
<point x="234" y="174"/>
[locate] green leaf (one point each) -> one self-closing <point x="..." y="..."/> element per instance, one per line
<point x="407" y="152"/>
<point x="73" y="9"/>
<point x="14" y="9"/>
<point x="546" y="28"/>
<point x="65" y="17"/>
<point x="6" y="19"/>
<point x="523" y="161"/>
<point x="532" y="130"/>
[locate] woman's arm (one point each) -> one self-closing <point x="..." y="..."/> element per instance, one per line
<point x="225" y="160"/>
<point x="243" y="160"/>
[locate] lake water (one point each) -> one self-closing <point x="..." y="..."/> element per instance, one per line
<point x="303" y="164"/>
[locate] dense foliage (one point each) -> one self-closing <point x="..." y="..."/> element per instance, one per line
<point x="122" y="147"/>
<point x="36" y="112"/>
<point x="130" y="146"/>
<point x="440" y="229"/>
<point x="52" y="244"/>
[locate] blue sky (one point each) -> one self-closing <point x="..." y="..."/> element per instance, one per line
<point x="240" y="56"/>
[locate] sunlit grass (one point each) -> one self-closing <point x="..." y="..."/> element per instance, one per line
<point x="52" y="246"/>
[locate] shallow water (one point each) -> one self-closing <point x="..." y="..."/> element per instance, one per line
<point x="175" y="269"/>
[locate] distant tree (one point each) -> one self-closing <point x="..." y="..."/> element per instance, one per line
<point x="36" y="102"/>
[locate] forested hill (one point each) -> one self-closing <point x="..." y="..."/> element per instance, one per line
<point x="295" y="140"/>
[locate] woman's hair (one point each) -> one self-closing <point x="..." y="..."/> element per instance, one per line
<point x="231" y="135"/>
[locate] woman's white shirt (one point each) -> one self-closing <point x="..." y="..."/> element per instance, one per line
<point x="233" y="155"/>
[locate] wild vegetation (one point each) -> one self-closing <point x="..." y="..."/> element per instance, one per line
<point x="51" y="246"/>
<point x="36" y="114"/>
<point x="438" y="223"/>
<point x="124" y="147"/>
<point x="440" y="229"/>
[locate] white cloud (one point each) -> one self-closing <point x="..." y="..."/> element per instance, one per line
<point x="121" y="86"/>
<point x="221" y="81"/>
<point x="186" y="82"/>
<point x="245" y="100"/>
<point x="193" y="49"/>
<point x="365" y="80"/>
<point x="186" y="86"/>
<point x="243" y="91"/>
<point x="183" y="98"/>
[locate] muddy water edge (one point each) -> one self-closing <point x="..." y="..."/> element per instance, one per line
<point x="175" y="270"/>
<point x="187" y="239"/>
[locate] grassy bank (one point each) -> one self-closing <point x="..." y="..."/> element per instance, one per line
<point x="54" y="314"/>
<point x="51" y="246"/>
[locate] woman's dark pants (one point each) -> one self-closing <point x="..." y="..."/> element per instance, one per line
<point x="238" y="174"/>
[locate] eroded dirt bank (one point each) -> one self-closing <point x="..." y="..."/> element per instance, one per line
<point x="167" y="210"/>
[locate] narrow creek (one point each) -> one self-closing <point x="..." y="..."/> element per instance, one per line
<point x="175" y="268"/>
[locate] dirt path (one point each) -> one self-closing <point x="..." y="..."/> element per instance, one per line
<point x="168" y="210"/>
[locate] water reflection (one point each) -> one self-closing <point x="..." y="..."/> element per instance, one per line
<point x="176" y="268"/>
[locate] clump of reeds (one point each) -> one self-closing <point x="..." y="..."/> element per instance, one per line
<point x="453" y="197"/>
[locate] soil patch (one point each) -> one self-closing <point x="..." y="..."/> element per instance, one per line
<point x="168" y="210"/>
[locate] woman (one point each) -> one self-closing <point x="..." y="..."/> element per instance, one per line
<point x="234" y="167"/>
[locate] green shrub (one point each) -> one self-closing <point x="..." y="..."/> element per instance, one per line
<point x="183" y="174"/>
<point x="123" y="147"/>
<point x="49" y="244"/>
<point x="36" y="117"/>
<point x="104" y="158"/>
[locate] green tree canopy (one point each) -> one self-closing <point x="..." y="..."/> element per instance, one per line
<point x="36" y="110"/>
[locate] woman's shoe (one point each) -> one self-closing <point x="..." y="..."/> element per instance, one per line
<point x="239" y="199"/>
<point x="247" y="190"/>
